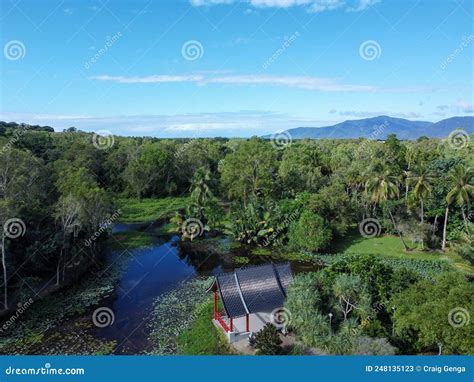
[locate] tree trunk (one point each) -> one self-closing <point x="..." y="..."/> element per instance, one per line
<point x="4" y="266"/>
<point x="422" y="219"/>
<point x="58" y="267"/>
<point x="398" y="231"/>
<point x="435" y="224"/>
<point x="464" y="216"/>
<point x="422" y="211"/>
<point x="443" y="245"/>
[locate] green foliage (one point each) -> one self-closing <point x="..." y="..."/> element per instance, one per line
<point x="301" y="169"/>
<point x="129" y="240"/>
<point x="180" y="321"/>
<point x="435" y="315"/>
<point x="254" y="222"/>
<point x="267" y="341"/>
<point x="353" y="294"/>
<point x="148" y="210"/>
<point x="464" y="247"/>
<point x="202" y="337"/>
<point x="374" y="346"/>
<point x="248" y="171"/>
<point x="311" y="232"/>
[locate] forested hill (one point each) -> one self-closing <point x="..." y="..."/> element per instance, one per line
<point x="382" y="126"/>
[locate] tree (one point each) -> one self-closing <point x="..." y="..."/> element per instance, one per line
<point x="435" y="314"/>
<point x="20" y="175"/>
<point x="201" y="194"/>
<point x="350" y="292"/>
<point x="311" y="232"/>
<point x="422" y="180"/>
<point x="381" y="188"/>
<point x="300" y="169"/>
<point x="67" y="212"/>
<point x="464" y="246"/>
<point x="267" y="341"/>
<point x="460" y="194"/>
<point x="249" y="171"/>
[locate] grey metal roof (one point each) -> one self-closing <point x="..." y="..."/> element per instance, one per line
<point x="253" y="289"/>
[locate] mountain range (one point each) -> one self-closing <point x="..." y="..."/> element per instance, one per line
<point x="380" y="127"/>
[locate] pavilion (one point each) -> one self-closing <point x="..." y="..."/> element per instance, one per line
<point x="249" y="296"/>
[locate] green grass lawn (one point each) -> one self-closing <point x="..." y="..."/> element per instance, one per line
<point x="147" y="210"/>
<point x="391" y="246"/>
<point x="203" y="338"/>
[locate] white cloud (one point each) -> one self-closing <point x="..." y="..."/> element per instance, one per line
<point x="230" y="124"/>
<point x="368" y="114"/>
<point x="464" y="106"/>
<point x="310" y="5"/>
<point x="460" y="106"/>
<point x="300" y="82"/>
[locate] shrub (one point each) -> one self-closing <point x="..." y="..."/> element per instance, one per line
<point x="434" y="315"/>
<point x="267" y="341"/>
<point x="311" y="232"/>
<point x="373" y="346"/>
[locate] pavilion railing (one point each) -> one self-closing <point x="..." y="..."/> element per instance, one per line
<point x="221" y="319"/>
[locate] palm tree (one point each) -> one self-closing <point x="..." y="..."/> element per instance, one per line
<point x="200" y="189"/>
<point x="382" y="188"/>
<point x="407" y="175"/>
<point x="461" y="194"/>
<point x="422" y="179"/>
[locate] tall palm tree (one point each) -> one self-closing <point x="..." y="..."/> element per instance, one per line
<point x="201" y="193"/>
<point x="384" y="187"/>
<point x="422" y="180"/>
<point x="461" y="194"/>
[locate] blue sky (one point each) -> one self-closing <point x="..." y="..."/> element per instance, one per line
<point x="232" y="67"/>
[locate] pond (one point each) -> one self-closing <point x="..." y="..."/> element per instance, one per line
<point x="150" y="272"/>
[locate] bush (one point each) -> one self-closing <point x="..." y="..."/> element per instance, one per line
<point x="311" y="232"/>
<point x="374" y="346"/>
<point x="267" y="341"/>
<point x="434" y="315"/>
<point x="464" y="247"/>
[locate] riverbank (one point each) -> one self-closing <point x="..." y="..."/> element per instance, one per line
<point x="180" y="322"/>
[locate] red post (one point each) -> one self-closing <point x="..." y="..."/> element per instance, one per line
<point x="247" y="324"/>
<point x="215" y="305"/>
<point x="231" y="325"/>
